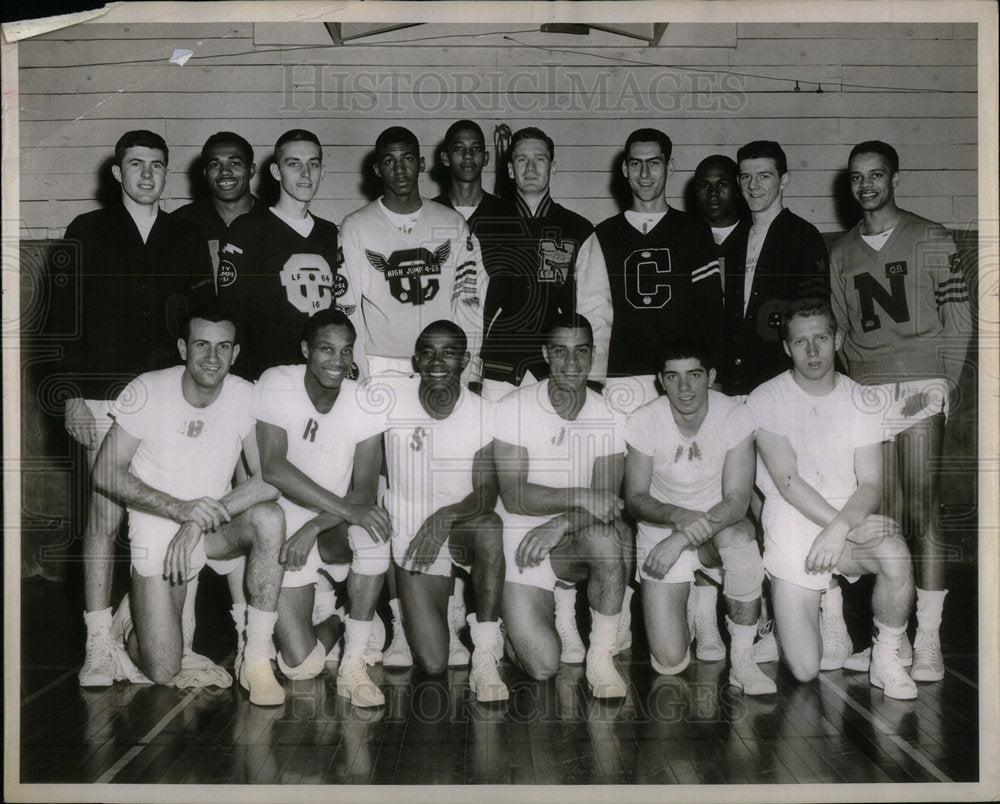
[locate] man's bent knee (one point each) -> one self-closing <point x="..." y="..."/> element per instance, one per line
<point x="894" y="559"/>
<point x="310" y="667"/>
<point x="802" y="667"/>
<point x="268" y="521"/>
<point x="540" y="668"/>
<point x="739" y="533"/>
<point x="368" y="557"/>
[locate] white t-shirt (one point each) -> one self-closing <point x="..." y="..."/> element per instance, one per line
<point x="430" y="461"/>
<point x="184" y="451"/>
<point x="720" y="233"/>
<point x="643" y="221"/>
<point x="321" y="445"/>
<point x="824" y="431"/>
<point x="303" y="226"/>
<point x="687" y="471"/>
<point x="561" y="454"/>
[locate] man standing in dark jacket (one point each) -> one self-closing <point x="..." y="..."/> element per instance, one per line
<point x="784" y="258"/>
<point x="132" y="277"/>
<point x="552" y="266"/>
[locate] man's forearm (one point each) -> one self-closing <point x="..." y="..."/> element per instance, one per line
<point x="645" y="508"/>
<point x="863" y="502"/>
<point x="248" y="494"/>
<point x="532" y="499"/>
<point x="807" y="501"/>
<point x="301" y="489"/>
<point x="130" y="490"/>
<point x="729" y="511"/>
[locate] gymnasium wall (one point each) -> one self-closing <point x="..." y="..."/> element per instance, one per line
<point x="711" y="87"/>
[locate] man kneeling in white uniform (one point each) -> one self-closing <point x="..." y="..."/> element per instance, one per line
<point x="170" y="456"/>
<point x="822" y="481"/>
<point x="559" y="452"/>
<point x="688" y="480"/>
<point x="442" y="495"/>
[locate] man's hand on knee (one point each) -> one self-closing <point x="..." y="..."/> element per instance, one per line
<point x="827" y="547"/>
<point x="873" y="529"/>
<point x="177" y="562"/>
<point x="662" y="557"/>
<point x="206" y="512"/>
<point x="426" y="545"/>
<point x="295" y="551"/>
<point x="538" y="543"/>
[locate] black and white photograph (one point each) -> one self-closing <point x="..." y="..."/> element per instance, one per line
<point x="570" y="401"/>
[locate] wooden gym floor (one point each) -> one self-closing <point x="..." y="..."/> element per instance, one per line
<point x="688" y="729"/>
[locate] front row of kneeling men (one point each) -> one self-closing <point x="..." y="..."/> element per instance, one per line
<point x="526" y="494"/>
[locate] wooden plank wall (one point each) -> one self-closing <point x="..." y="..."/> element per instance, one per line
<point x="712" y="87"/>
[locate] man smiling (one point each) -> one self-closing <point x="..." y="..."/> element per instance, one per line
<point x="279" y="268"/>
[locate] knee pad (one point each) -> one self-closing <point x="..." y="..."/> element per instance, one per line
<point x="671" y="671"/>
<point x="370" y="558"/>
<point x="311" y="667"/>
<point x="743" y="572"/>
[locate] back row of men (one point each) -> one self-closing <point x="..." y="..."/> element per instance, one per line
<point x="505" y="272"/>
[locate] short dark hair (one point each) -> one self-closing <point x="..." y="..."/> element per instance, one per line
<point x="396" y="135"/>
<point x="883" y="149"/>
<point x="228" y="138"/>
<point x="682" y="349"/>
<point x="445" y="326"/>
<point x="296" y="135"/>
<point x="805" y="308"/>
<point x="650" y="135"/>
<point x="720" y="161"/>
<point x="533" y="133"/>
<point x="330" y="317"/>
<point x="570" y="321"/>
<point x="210" y="311"/>
<point x="140" y="139"/>
<point x="764" y="149"/>
<point x="462" y="125"/>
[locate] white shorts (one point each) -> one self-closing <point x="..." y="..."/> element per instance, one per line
<point x="788" y="538"/>
<point x="402" y="536"/>
<point x="903" y="404"/>
<point x="627" y="394"/>
<point x="684" y="567"/>
<point x="307" y="574"/>
<point x="100" y="408"/>
<point x="149" y="538"/>
<point x="515" y="528"/>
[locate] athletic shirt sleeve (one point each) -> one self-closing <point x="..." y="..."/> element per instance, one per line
<point x="641" y="432"/>
<point x="736" y="424"/>
<point x="766" y="408"/>
<point x="471" y="283"/>
<point x="502" y="420"/>
<point x="243" y="392"/>
<point x="267" y="403"/>
<point x="134" y="410"/>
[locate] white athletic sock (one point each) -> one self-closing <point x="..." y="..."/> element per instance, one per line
<point x="324" y="605"/>
<point x="930" y="606"/>
<point x="397" y="615"/>
<point x="705" y="598"/>
<point x="603" y="630"/>
<point x="889" y="636"/>
<point x="742" y="636"/>
<point x="627" y="601"/>
<point x="98" y="620"/>
<point x="485" y="635"/>
<point x="832" y="599"/>
<point x="260" y="626"/>
<point x="356" y="635"/>
<point x="239" y="614"/>
<point x="565" y="599"/>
